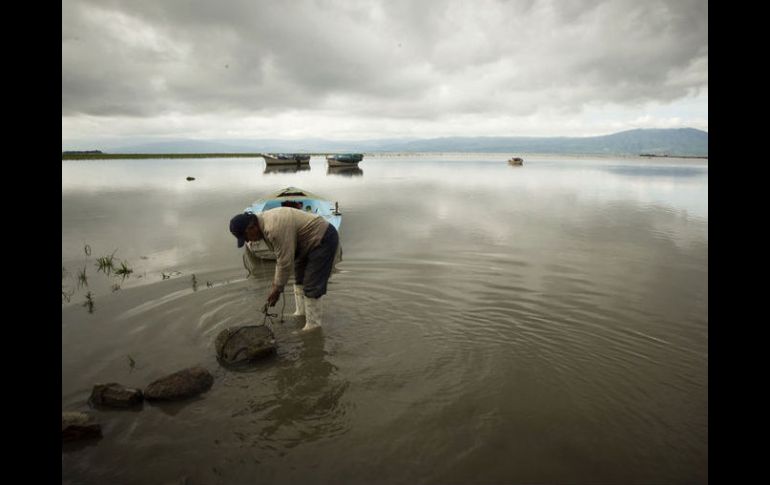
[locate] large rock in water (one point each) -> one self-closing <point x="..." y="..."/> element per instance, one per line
<point x="236" y="345"/>
<point x="78" y="426"/>
<point x="115" y="395"/>
<point x="180" y="385"/>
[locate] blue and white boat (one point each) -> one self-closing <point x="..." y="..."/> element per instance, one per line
<point x="299" y="199"/>
<point x="344" y="159"/>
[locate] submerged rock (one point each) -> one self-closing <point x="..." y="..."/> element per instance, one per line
<point x="236" y="345"/>
<point x="115" y="395"/>
<point x="180" y="385"/>
<point x="78" y="426"/>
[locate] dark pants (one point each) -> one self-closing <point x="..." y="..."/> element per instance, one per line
<point x="314" y="270"/>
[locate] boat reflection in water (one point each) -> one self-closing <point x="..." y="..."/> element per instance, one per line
<point x="345" y="171"/>
<point x="300" y="167"/>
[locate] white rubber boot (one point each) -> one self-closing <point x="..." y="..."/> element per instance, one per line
<point x="314" y="314"/>
<point x="299" y="301"/>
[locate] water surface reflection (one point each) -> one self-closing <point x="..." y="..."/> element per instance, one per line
<point x="547" y="324"/>
<point x="300" y="167"/>
<point x="345" y="171"/>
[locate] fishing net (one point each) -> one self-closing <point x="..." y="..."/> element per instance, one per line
<point x="240" y="345"/>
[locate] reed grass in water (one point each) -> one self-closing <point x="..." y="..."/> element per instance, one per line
<point x="89" y="303"/>
<point x="124" y="271"/>
<point x="105" y="264"/>
<point x="82" y="278"/>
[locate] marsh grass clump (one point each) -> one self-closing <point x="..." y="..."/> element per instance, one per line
<point x="124" y="271"/>
<point x="105" y="264"/>
<point x="82" y="278"/>
<point x="89" y="303"/>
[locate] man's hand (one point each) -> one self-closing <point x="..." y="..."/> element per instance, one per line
<point x="272" y="298"/>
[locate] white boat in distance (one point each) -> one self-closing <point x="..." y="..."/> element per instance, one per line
<point x="273" y="159"/>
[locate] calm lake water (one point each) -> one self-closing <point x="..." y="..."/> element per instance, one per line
<point x="490" y="324"/>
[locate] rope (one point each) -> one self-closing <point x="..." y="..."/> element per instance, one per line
<point x="268" y="320"/>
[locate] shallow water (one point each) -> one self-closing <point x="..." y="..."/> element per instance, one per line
<point x="490" y="324"/>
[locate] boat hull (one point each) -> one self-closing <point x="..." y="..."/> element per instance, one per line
<point x="344" y="159"/>
<point x="338" y="163"/>
<point x="273" y="161"/>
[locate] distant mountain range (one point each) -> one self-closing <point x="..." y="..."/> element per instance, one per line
<point x="672" y="142"/>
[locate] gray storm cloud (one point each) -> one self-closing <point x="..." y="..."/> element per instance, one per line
<point x="390" y="58"/>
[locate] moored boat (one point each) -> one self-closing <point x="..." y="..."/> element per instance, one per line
<point x="285" y="158"/>
<point x="344" y="159"/>
<point x="298" y="199"/>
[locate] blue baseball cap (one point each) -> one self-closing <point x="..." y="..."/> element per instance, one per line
<point x="238" y="225"/>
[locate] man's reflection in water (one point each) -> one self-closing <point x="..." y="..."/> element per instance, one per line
<point x="306" y="404"/>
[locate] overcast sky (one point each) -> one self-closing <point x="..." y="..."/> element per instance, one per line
<point x="367" y="69"/>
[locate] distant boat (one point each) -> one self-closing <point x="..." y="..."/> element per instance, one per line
<point x="299" y="199"/>
<point x="516" y="161"/>
<point x="285" y="158"/>
<point x="344" y="159"/>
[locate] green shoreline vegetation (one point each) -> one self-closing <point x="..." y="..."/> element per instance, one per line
<point x="96" y="155"/>
<point x="108" y="156"/>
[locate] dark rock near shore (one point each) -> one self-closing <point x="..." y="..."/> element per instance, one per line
<point x="115" y="395"/>
<point x="79" y="426"/>
<point x="180" y="385"/>
<point x="190" y="178"/>
<point x="236" y="345"/>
